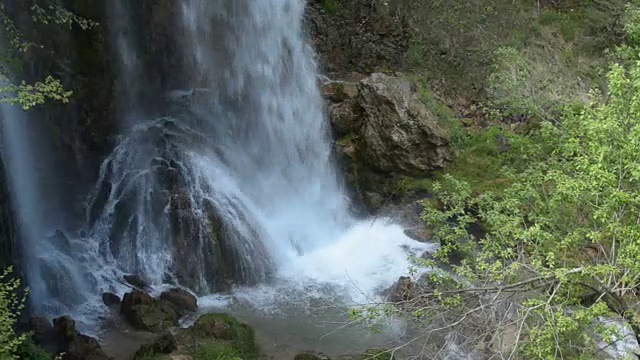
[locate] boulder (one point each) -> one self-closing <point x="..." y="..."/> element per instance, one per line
<point x="226" y="331"/>
<point x="403" y="290"/>
<point x="387" y="133"/>
<point x="164" y="344"/>
<point x="399" y="133"/>
<point x="74" y="345"/>
<point x="43" y="333"/>
<point x="135" y="280"/>
<point x="110" y="299"/>
<point x="143" y="312"/>
<point x="180" y="300"/>
<point x="311" y="355"/>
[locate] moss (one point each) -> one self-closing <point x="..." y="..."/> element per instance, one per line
<point x="215" y="351"/>
<point x="330" y="6"/>
<point x="222" y="331"/>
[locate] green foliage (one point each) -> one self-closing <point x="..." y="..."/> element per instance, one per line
<point x="579" y="190"/>
<point x="330" y="6"/>
<point x="10" y="306"/>
<point x="31" y="95"/>
<point x="28" y="95"/>
<point x="454" y="40"/>
<point x="58" y="15"/>
<point x="559" y="209"/>
<point x="31" y="351"/>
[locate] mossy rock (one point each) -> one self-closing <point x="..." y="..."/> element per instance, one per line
<point x="216" y="351"/>
<point x="223" y="333"/>
<point x="143" y="312"/>
<point x="164" y="344"/>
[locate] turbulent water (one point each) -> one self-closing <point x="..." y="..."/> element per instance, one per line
<point x="234" y="190"/>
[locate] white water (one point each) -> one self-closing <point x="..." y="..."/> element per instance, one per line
<point x="244" y="160"/>
<point x="57" y="278"/>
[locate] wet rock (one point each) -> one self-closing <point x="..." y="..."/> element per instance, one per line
<point x="43" y="333"/>
<point x="164" y="344"/>
<point x="180" y="300"/>
<point x="339" y="91"/>
<point x="143" y="312"/>
<point x="74" y="345"/>
<point x="110" y="299"/>
<point x="311" y="355"/>
<point x="135" y="280"/>
<point x="60" y="241"/>
<point x="403" y="290"/>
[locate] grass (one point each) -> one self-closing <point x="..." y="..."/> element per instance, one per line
<point x="480" y="161"/>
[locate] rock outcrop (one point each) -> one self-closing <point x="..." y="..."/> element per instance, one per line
<point x="386" y="132"/>
<point x="403" y="290"/>
<point x="135" y="280"/>
<point x="164" y="344"/>
<point x="110" y="299"/>
<point x="73" y="345"/>
<point x="229" y="334"/>
<point x="359" y="35"/>
<point x="182" y="301"/>
<point x="143" y="312"/>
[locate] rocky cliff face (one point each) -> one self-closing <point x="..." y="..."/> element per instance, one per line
<point x="358" y="35"/>
<point x="385" y="132"/>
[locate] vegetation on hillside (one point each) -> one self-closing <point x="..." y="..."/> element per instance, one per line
<point x="550" y="173"/>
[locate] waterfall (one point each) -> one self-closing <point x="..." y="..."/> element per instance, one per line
<point x="231" y="187"/>
<point x="239" y="174"/>
<point x="56" y="276"/>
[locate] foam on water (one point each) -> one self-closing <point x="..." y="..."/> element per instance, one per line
<point x="367" y="258"/>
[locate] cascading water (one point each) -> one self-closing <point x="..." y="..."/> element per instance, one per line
<point x="236" y="185"/>
<point x="56" y="274"/>
<point x="233" y="189"/>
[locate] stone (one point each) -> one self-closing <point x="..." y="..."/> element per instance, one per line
<point x="386" y="135"/>
<point x="338" y="91"/>
<point x="399" y="133"/>
<point x="110" y="299"/>
<point x="135" y="280"/>
<point x="143" y="312"/>
<point x="227" y="330"/>
<point x="164" y="344"/>
<point x="311" y="355"/>
<point x="345" y="117"/>
<point x="403" y="290"/>
<point x="180" y="300"/>
<point x="43" y="333"/>
<point x="74" y="345"/>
